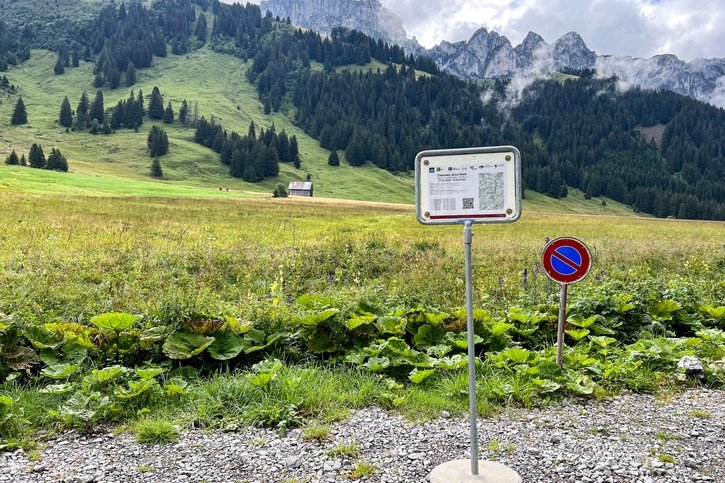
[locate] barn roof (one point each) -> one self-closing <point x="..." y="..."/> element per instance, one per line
<point x="300" y="185"/>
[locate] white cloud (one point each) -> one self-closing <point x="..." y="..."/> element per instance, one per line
<point x="642" y="28"/>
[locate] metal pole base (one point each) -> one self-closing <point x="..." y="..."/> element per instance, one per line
<point x="459" y="471"/>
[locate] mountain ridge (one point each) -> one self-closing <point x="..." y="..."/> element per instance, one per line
<point x="489" y="55"/>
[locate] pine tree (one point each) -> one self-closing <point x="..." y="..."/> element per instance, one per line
<point x="59" y="68"/>
<point x="66" y="115"/>
<point x="156" y="104"/>
<point x="201" y="28"/>
<point x="56" y="161"/>
<point x="130" y="74"/>
<point x="333" y="160"/>
<point x="36" y="156"/>
<point x="156" y="171"/>
<point x="23" y="161"/>
<point x="82" y="121"/>
<point x="184" y="112"/>
<point x="168" y="114"/>
<point x="97" y="110"/>
<point x="157" y="142"/>
<point x="12" y="160"/>
<point x="20" y="115"/>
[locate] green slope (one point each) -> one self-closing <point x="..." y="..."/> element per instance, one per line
<point x="118" y="164"/>
<point x="218" y="83"/>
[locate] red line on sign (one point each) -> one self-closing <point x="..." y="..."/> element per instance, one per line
<point x="465" y="217"/>
<point x="566" y="260"/>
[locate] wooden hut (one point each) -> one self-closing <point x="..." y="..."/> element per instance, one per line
<point x="300" y="188"/>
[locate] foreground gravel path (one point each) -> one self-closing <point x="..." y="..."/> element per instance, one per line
<point x="627" y="439"/>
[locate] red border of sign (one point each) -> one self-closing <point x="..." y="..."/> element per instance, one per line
<point x="580" y="247"/>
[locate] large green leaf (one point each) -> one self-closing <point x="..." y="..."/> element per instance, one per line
<point x="321" y="341"/>
<point x="581" y="322"/>
<point x="428" y="335"/>
<point x="59" y="371"/>
<point x="318" y="318"/>
<point x="42" y="338"/>
<point x="391" y="325"/>
<point x="115" y="321"/>
<point x="499" y="328"/>
<point x="398" y="346"/>
<point x="99" y="377"/>
<point x="136" y="388"/>
<point x="183" y="344"/>
<point x="456" y="361"/>
<point x="360" y="320"/>
<point x="261" y="346"/>
<point x="460" y="340"/>
<point x="417" y="376"/>
<point x="439" y="350"/>
<point x="148" y="372"/>
<point x="516" y="354"/>
<point x="663" y="309"/>
<point x="63" y="388"/>
<point x="577" y="334"/>
<point x="377" y="363"/>
<point x="227" y="345"/>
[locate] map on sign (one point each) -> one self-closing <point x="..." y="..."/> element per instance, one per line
<point x="479" y="184"/>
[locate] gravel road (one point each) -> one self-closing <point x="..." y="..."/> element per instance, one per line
<point x="631" y="438"/>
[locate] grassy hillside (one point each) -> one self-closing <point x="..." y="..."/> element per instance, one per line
<point x="218" y="83"/>
<point x="118" y="164"/>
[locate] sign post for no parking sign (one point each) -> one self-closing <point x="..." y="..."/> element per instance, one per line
<point x="566" y="260"/>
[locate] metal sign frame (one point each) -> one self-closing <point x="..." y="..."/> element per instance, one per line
<point x="459" y="162"/>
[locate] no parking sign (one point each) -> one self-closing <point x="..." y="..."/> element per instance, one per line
<point x="566" y="260"/>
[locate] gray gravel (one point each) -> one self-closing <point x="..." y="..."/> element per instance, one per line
<point x="631" y="438"/>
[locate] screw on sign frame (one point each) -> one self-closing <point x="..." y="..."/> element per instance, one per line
<point x="566" y="260"/>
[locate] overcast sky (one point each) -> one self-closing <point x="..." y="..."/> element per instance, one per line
<point x="641" y="28"/>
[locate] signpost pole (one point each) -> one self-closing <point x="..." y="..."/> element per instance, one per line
<point x="562" y="322"/>
<point x="467" y="238"/>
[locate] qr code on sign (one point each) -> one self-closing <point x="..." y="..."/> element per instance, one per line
<point x="467" y="203"/>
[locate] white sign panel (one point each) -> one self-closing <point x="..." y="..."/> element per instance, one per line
<point x="480" y="185"/>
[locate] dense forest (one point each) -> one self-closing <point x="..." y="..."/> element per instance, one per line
<point x="581" y="133"/>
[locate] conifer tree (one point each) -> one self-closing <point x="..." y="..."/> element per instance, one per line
<point x="334" y="159"/>
<point x="168" y="114"/>
<point x="12" y="159"/>
<point x="157" y="142"/>
<point x="20" y="115"/>
<point x="82" y="121"/>
<point x="156" y="171"/>
<point x="66" y="115"/>
<point x="23" y="161"/>
<point x="97" y="110"/>
<point x="36" y="156"/>
<point x="56" y="161"/>
<point x="156" y="104"/>
<point x="184" y="112"/>
<point x="130" y="74"/>
<point x="59" y="68"/>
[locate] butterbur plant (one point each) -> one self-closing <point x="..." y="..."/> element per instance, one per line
<point x="117" y="328"/>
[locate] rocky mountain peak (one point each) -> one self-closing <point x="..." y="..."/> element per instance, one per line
<point x="571" y="52"/>
<point x="322" y="16"/>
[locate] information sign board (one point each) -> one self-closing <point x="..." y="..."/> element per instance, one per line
<point x="477" y="185"/>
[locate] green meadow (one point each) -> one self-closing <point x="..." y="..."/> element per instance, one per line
<point x="205" y="300"/>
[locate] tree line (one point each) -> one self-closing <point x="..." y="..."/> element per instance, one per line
<point x="251" y="157"/>
<point x="36" y="159"/>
